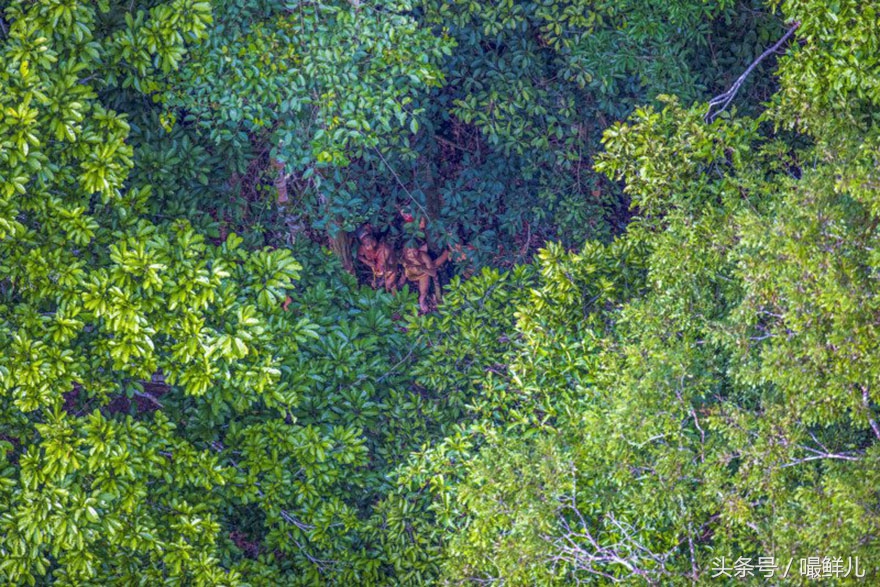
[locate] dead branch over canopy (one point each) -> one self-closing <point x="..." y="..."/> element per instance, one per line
<point x="722" y="101"/>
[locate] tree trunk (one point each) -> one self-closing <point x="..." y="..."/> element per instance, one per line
<point x="340" y="244"/>
<point x="433" y="205"/>
<point x="280" y="182"/>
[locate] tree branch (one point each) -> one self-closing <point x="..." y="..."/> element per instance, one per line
<point x="150" y="397"/>
<point x="866" y="401"/>
<point x="582" y="550"/>
<point x="724" y="100"/>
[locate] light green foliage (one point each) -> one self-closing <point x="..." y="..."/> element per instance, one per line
<point x="833" y="69"/>
<point x="685" y="397"/>
<point x="90" y="312"/>
<point x="166" y="408"/>
<point x="723" y="406"/>
<point x="182" y="405"/>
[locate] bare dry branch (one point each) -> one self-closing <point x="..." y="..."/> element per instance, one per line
<point x="722" y="101"/>
<point x="866" y="402"/>
<point x="581" y="549"/>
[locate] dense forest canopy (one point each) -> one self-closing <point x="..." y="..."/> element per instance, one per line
<point x="416" y="292"/>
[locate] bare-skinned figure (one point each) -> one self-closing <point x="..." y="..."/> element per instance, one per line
<point x="380" y="257"/>
<point x="419" y="267"/>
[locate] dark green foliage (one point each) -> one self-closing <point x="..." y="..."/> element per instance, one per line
<point x="484" y="121"/>
<point x="192" y="392"/>
<point x="728" y="409"/>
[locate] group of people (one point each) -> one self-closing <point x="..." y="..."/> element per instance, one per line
<point x="392" y="268"/>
